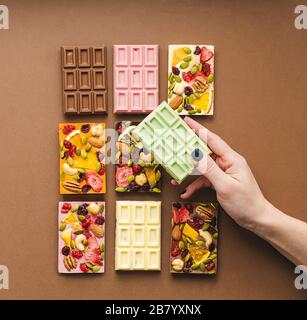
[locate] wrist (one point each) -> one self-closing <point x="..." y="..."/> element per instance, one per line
<point x="263" y="219"/>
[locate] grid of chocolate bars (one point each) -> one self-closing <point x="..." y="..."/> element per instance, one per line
<point x="162" y="143"/>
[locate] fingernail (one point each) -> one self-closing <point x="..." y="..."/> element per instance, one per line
<point x="197" y="154"/>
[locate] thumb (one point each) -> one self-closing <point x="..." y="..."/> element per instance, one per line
<point x="209" y="168"/>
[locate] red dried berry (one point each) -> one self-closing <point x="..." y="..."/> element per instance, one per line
<point x="67" y="144"/>
<point x="84" y="268"/>
<point x="187" y="76"/>
<point x="65" y="251"/>
<point x="102" y="170"/>
<point x="175" y="252"/>
<point x="210" y="266"/>
<point x="175" y="215"/>
<point x="86" y="188"/>
<point x="86" y="223"/>
<point x="76" y="253"/>
<point x="68" y="128"/>
<point x="72" y="151"/>
<point x="137" y="168"/>
<point x="206" y="69"/>
<point x="65" y="207"/>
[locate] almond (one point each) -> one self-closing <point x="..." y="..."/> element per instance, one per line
<point x="97" y="230"/>
<point x="176" y="102"/>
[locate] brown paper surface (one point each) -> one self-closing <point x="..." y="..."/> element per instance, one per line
<point x="260" y="109"/>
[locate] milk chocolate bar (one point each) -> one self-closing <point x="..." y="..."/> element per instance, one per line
<point x="84" y="80"/>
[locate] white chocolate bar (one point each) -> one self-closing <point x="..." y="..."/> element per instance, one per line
<point x="138" y="235"/>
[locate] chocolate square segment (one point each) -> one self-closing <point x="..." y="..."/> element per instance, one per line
<point x="99" y="101"/>
<point x="98" y="57"/>
<point x="69" y="57"/>
<point x="84" y="57"/>
<point x="84" y="79"/>
<point x="85" y="102"/>
<point x="71" y="102"/>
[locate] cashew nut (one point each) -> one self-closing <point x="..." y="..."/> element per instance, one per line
<point x="78" y="241"/>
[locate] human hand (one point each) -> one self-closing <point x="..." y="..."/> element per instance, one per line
<point x="229" y="174"/>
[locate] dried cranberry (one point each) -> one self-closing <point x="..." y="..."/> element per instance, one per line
<point x="85" y="128"/>
<point x="206" y="69"/>
<point x="175" y="71"/>
<point x="175" y="252"/>
<point x="210" y="266"/>
<point x="86" y="188"/>
<point x="189" y="263"/>
<point x="67" y="144"/>
<point x="184" y="253"/>
<point x="68" y="128"/>
<point x="99" y="220"/>
<point x="102" y="169"/>
<point x="72" y="151"/>
<point x="188" y="91"/>
<point x="65" y="251"/>
<point x="65" y="207"/>
<point x="188" y="107"/>
<point x="120" y="128"/>
<point x="197" y="50"/>
<point x="84" y="268"/>
<point x="86" y="223"/>
<point x="177" y="205"/>
<point x="87" y="233"/>
<point x="100" y="156"/>
<point x="187" y="76"/>
<point x="137" y="168"/>
<point x="66" y="154"/>
<point x="76" y="253"/>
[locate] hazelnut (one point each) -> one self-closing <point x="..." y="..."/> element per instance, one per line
<point x="177" y="264"/>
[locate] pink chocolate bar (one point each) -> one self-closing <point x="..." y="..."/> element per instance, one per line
<point x="136" y="78"/>
<point x="81" y="237"/>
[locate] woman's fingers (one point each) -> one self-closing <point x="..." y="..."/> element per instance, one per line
<point x="216" y="144"/>
<point x="199" y="183"/>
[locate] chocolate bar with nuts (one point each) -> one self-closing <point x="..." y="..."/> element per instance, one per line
<point x="194" y="238"/>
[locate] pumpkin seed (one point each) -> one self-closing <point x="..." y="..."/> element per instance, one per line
<point x="95" y="269"/>
<point x="206" y="226"/>
<point x="202" y="267"/>
<point x="195" y="266"/>
<point x="215" y="235"/>
<point x="200" y="243"/>
<point x="187" y="59"/>
<point x="70" y="161"/>
<point x="157" y="190"/>
<point x="120" y="189"/>
<point x="83" y="154"/>
<point x="101" y="247"/>
<point x="187" y="257"/>
<point x="194" y="70"/>
<point x="130" y="179"/>
<point x="81" y="217"/>
<point x="178" y="79"/>
<point x="88" y="147"/>
<point x="181" y="245"/>
<point x="98" y="166"/>
<point x="192" y="111"/>
<point x="74" y="208"/>
<point x="62" y="226"/>
<point x="200" y="67"/>
<point x="130" y="163"/>
<point x="158" y="175"/>
<point x="187" y="50"/>
<point x="184" y="65"/>
<point x="81" y="170"/>
<point x="78" y="151"/>
<point x="171" y="87"/>
<point x="84" y="140"/>
<point x="210" y="78"/>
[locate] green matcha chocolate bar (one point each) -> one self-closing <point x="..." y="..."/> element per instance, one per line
<point x="171" y="141"/>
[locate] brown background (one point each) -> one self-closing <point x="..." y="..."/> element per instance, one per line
<point x="260" y="109"/>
